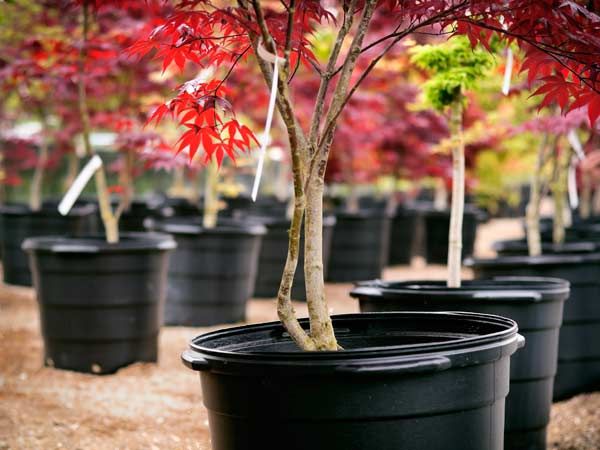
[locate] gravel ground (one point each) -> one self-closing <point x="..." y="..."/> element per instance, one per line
<point x="158" y="406"/>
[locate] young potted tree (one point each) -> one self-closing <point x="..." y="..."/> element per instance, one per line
<point x="575" y="260"/>
<point x="28" y="80"/>
<point x="100" y="297"/>
<point x="245" y="371"/>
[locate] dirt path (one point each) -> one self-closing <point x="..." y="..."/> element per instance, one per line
<point x="148" y="406"/>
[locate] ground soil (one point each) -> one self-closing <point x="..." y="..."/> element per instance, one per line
<point x="159" y="406"/>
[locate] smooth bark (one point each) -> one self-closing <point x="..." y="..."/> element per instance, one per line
<point x="458" y="196"/>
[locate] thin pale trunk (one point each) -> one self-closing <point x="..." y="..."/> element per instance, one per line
<point x="559" y="195"/>
<point x="534" y="240"/>
<point x="35" y="193"/>
<point x="72" y="170"/>
<point x="596" y="201"/>
<point x="585" y="204"/>
<point x="177" y="188"/>
<point x="458" y="197"/>
<point x="321" y="328"/>
<point x="391" y="204"/>
<point x="211" y="196"/>
<point x="111" y="225"/>
<point x="440" y="198"/>
<point x="352" y="204"/>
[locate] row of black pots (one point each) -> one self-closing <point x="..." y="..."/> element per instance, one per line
<point x="421" y="230"/>
<point x="579" y="263"/>
<point x="536" y="304"/>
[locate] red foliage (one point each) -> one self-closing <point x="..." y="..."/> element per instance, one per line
<point x="561" y="40"/>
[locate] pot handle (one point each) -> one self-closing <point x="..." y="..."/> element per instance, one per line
<point x="520" y="341"/>
<point x="366" y="291"/>
<point x="408" y="367"/>
<point x="194" y="360"/>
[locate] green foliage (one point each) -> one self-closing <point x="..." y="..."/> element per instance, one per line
<point x="454" y="66"/>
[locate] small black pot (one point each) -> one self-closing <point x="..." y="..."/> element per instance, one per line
<point x="518" y="247"/>
<point x="133" y="218"/>
<point x="578" y="361"/>
<point x="437" y="225"/>
<point x="100" y="304"/>
<point x="243" y="206"/>
<point x="410" y="381"/>
<point x="212" y="272"/>
<point x="19" y="223"/>
<point x="359" y="248"/>
<point x="536" y="304"/>
<point x="273" y="254"/>
<point x="403" y="236"/>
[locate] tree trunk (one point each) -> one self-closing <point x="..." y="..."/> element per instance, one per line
<point x="72" y="170"/>
<point x="440" y="198"/>
<point x="458" y="197"/>
<point x="585" y="204"/>
<point x="532" y="213"/>
<point x="109" y="220"/>
<point x="211" y="196"/>
<point x="559" y="194"/>
<point x="35" y="193"/>
<point x="352" y="204"/>
<point x="321" y="328"/>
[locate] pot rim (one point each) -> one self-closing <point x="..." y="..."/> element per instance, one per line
<point x="502" y="288"/>
<point x="190" y="228"/>
<point x="129" y="242"/>
<point x="506" y="331"/>
<point x="21" y="209"/>
<point x="541" y="260"/>
<point x="517" y="244"/>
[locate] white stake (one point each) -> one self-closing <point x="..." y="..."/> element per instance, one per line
<point x="273" y="59"/>
<point x="508" y="71"/>
<point x="79" y="184"/>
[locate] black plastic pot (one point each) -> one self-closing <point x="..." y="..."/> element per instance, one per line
<point x="242" y="206"/>
<point x="359" y="247"/>
<point x="518" y="247"/>
<point x="212" y="272"/>
<point x="19" y="223"/>
<point x="273" y="254"/>
<point x="578" y="360"/>
<point x="177" y="207"/>
<point x="437" y="224"/>
<point x="139" y="210"/>
<point x="100" y="304"/>
<point x="536" y="304"/>
<point x="403" y="236"/>
<point x="409" y="381"/>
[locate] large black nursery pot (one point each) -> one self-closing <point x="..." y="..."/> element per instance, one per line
<point x="19" y="222"/>
<point x="212" y="272"/>
<point x="359" y="248"/>
<point x="273" y="254"/>
<point x="409" y="381"/>
<point x="404" y="236"/>
<point x="578" y="358"/>
<point x="100" y="304"/>
<point x="437" y="224"/>
<point x="536" y="304"/>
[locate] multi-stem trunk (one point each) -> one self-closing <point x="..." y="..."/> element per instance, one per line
<point x="458" y="196"/>
<point x="211" y="195"/>
<point x="532" y="213"/>
<point x="111" y="225"/>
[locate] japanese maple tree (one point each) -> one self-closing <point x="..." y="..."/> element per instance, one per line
<point x="560" y="39"/>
